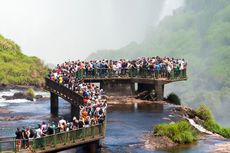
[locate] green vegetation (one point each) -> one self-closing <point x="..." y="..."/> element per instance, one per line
<point x="17" y="68"/>
<point x="181" y="132"/>
<point x="30" y="93"/>
<point x="203" y="112"/>
<point x="174" y="99"/>
<point x="199" y="33"/>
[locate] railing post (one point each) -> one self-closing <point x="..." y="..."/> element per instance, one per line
<point x="93" y="131"/>
<point x="55" y="140"/>
<point x="84" y="130"/>
<point x="44" y="142"/>
<point x="0" y="146"/>
<point x="65" y="137"/>
<point x="14" y="139"/>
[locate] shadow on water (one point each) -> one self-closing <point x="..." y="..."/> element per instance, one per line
<point x="136" y="108"/>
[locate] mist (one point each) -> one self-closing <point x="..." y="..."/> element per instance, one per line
<point x="59" y="30"/>
<point x="198" y="32"/>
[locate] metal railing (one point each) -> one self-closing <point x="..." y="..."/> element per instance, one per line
<point x="8" y="144"/>
<point x="130" y="72"/>
<point x="72" y="137"/>
<point x="62" y="90"/>
<point x="55" y="141"/>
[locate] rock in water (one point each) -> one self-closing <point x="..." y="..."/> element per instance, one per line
<point x="222" y="148"/>
<point x="152" y="142"/>
<point x="38" y="96"/>
<point x="18" y="95"/>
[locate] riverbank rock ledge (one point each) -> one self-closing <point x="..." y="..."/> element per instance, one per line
<point x="22" y="95"/>
<point x="153" y="142"/>
<point x="13" y="118"/>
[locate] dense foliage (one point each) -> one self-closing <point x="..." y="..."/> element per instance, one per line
<point x="174" y="99"/>
<point x="181" y="132"/>
<point x="17" y="68"/>
<point x="198" y="32"/>
<point x="210" y="124"/>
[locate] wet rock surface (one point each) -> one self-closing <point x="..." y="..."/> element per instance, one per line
<point x="7" y="115"/>
<point x="152" y="142"/>
<point x="13" y="118"/>
<point x="184" y="111"/>
<point x="129" y="100"/>
<point x="22" y="95"/>
<point x="222" y="148"/>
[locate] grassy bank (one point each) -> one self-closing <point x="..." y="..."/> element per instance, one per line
<point x="17" y="68"/>
<point x="181" y="132"/>
<point x="204" y="113"/>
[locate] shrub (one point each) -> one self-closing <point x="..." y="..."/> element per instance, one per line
<point x="210" y="124"/>
<point x="161" y="129"/>
<point x="181" y="132"/>
<point x="225" y="132"/>
<point x="204" y="113"/>
<point x="173" y="99"/>
<point x="30" y="93"/>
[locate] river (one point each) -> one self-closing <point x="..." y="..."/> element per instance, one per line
<point x="126" y="125"/>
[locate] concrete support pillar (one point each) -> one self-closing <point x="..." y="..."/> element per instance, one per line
<point x="92" y="147"/>
<point x="74" y="111"/>
<point x="54" y="104"/>
<point x="132" y="87"/>
<point x="159" y="90"/>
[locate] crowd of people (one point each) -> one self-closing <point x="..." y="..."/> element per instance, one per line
<point x="153" y="67"/>
<point x="93" y="108"/>
<point x="92" y="112"/>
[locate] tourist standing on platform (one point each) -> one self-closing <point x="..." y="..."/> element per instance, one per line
<point x="18" y="138"/>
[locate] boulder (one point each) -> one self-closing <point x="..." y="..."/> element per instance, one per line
<point x="18" y="95"/>
<point x="152" y="142"/>
<point x="8" y="97"/>
<point x="38" y="96"/>
<point x="29" y="98"/>
<point x="185" y="111"/>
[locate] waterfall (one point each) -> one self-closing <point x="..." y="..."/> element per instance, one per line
<point x="198" y="127"/>
<point x="168" y="7"/>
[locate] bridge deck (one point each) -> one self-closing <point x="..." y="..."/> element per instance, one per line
<point x="62" y="91"/>
<point x="135" y="79"/>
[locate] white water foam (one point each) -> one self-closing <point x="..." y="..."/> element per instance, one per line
<point x="11" y="92"/>
<point x="199" y="127"/>
<point x="43" y="93"/>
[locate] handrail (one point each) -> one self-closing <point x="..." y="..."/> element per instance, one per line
<point x="72" y="137"/>
<point x="131" y="72"/>
<point x="58" y="140"/>
<point x="63" y="90"/>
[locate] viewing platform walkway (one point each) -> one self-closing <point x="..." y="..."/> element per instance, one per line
<point x="56" y="142"/>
